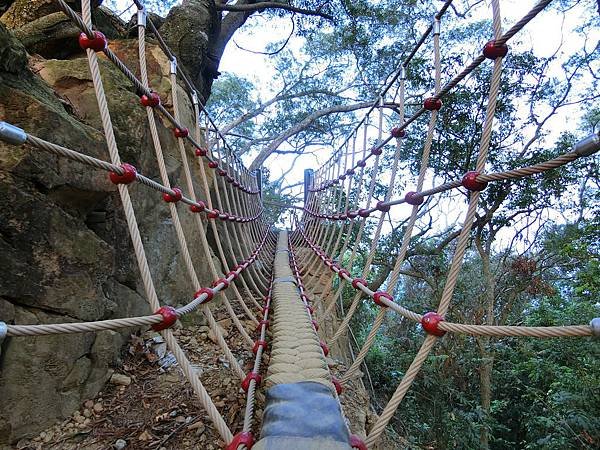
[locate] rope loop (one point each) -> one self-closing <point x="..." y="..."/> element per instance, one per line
<point x="251" y="376"/>
<point x="175" y="197"/>
<point x="128" y="176"/>
<point x="244" y="438"/>
<point x="470" y="182"/>
<point x="97" y="44"/>
<point x="210" y="293"/>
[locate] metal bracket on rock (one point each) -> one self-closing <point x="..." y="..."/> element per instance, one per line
<point x="141" y="17"/>
<point x="11" y="134"/>
<point x="595" y="326"/>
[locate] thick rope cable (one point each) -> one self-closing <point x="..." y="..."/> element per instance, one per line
<point x="476" y="330"/>
<point x="346" y="233"/>
<point x="461" y="246"/>
<point x="115" y="168"/>
<point x="190" y="186"/>
<point x="363" y="222"/>
<point x="585" y="147"/>
<point x="377" y="233"/>
<point x="328" y="305"/>
<point x="296" y="355"/>
<point x="395" y="275"/>
<point x="138" y="246"/>
<point x="204" y="180"/>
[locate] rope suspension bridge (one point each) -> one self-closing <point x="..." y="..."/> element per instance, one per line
<point x="295" y="275"/>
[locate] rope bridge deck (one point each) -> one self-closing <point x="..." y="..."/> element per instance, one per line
<point x="302" y="409"/>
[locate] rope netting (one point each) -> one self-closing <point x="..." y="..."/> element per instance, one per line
<point x="335" y="195"/>
<point x="232" y="197"/>
<point x="320" y="229"/>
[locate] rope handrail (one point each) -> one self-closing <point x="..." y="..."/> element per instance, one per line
<point x="585" y="147"/>
<point x="400" y="71"/>
<point x="203" y="297"/>
<point x="459" y="77"/>
<point x="142" y="90"/>
<point x="16" y="136"/>
<point x="191" y="92"/>
<point x="476" y="330"/>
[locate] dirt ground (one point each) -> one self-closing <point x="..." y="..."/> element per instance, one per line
<point x="148" y="403"/>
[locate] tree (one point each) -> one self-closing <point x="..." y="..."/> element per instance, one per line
<point x="510" y="277"/>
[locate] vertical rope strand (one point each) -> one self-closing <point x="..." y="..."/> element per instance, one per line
<point x="461" y="246"/>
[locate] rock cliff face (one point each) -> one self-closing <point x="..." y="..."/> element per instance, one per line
<point x="65" y="252"/>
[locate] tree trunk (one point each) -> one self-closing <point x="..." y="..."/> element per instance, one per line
<point x="485" y="380"/>
<point x="487" y="358"/>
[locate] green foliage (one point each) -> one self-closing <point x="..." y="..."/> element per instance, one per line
<point x="545" y="391"/>
<point x="551" y="387"/>
<point x="231" y="98"/>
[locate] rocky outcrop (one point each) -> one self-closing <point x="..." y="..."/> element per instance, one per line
<point x="65" y="252"/>
<point x="20" y="12"/>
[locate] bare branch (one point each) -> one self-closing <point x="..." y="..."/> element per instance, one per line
<point x="261" y="6"/>
<point x="278" y="98"/>
<point x="275" y="52"/>
<point x="303" y="125"/>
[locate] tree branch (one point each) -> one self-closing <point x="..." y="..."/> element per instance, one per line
<point x="260" y="6"/>
<point x="303" y="125"/>
<point x="278" y="98"/>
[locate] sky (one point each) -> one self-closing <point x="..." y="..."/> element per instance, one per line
<point x="542" y="34"/>
<point x="546" y="33"/>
